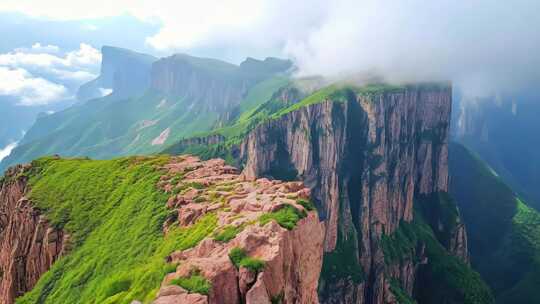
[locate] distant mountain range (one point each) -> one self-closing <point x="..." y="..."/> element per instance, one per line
<point x="149" y="104"/>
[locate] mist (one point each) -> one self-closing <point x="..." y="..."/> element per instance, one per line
<point x="482" y="46"/>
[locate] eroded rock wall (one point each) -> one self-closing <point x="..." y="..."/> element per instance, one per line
<point x="365" y="160"/>
<point x="28" y="243"/>
<point x="291" y="257"/>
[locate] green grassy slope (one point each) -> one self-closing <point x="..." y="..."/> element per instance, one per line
<point x="106" y="127"/>
<point x="110" y="208"/>
<point x="503" y="232"/>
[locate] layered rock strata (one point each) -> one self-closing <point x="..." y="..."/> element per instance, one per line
<point x="365" y="160"/>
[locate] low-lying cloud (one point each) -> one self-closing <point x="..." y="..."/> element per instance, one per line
<point x="481" y="45"/>
<point x="6" y="151"/>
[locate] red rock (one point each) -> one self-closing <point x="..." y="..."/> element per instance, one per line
<point x="400" y="162"/>
<point x="28" y="244"/>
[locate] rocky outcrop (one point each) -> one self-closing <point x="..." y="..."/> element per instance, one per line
<point x="458" y="243"/>
<point x="290" y="258"/>
<point x="364" y="159"/>
<point x="29" y="245"/>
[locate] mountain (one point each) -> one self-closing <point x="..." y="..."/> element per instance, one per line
<point x="151" y="105"/>
<point x="125" y="73"/>
<point x="17" y="119"/>
<point x="503" y="131"/>
<point x="375" y="159"/>
<point x="503" y="231"/>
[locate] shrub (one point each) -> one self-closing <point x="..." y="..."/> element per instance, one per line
<point x="307" y="204"/>
<point x="228" y="233"/>
<point x="239" y="258"/>
<point x="236" y="255"/>
<point x="286" y="217"/>
<point x="253" y="264"/>
<point x="195" y="283"/>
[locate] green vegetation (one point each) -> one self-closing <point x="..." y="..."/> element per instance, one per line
<point x="151" y="119"/>
<point x="236" y="255"/>
<point x="379" y="88"/>
<point x="228" y="233"/>
<point x="343" y="261"/>
<point x="277" y="299"/>
<point x="441" y="213"/>
<point x="503" y="231"/>
<point x="239" y="258"/>
<point x="401" y="245"/>
<point x="259" y="94"/>
<point x="307" y="204"/>
<point x="275" y="107"/>
<point x="286" y="217"/>
<point x="401" y="296"/>
<point x="114" y="215"/>
<point x="333" y="93"/>
<point x="194" y="283"/>
<point x="445" y="279"/>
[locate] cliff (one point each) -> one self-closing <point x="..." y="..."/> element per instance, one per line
<point x="211" y="84"/>
<point x="244" y="262"/>
<point x="155" y="229"/>
<point x="29" y="245"/>
<point x="365" y="159"/>
<point x="125" y="72"/>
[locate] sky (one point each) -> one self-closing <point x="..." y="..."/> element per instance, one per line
<point x="482" y="46"/>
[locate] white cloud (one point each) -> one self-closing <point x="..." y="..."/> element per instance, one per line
<point x="79" y="76"/>
<point x="86" y="56"/>
<point x="39" y="48"/>
<point x="479" y="43"/>
<point x="44" y="74"/>
<point x="105" y="91"/>
<point x="29" y="90"/>
<point x="6" y="151"/>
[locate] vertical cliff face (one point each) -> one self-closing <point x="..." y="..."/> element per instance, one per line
<point x="209" y="83"/>
<point x="365" y="160"/>
<point x="28" y="244"/>
<point x="125" y="72"/>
